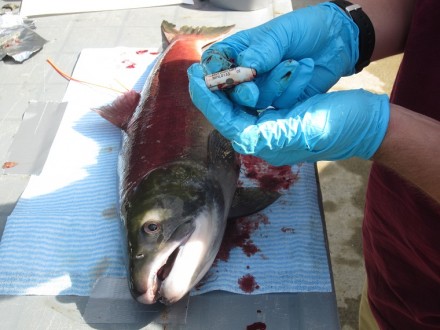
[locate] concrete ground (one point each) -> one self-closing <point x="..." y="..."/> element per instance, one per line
<point x="343" y="186"/>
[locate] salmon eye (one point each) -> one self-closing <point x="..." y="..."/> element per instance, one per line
<point x="151" y="227"/>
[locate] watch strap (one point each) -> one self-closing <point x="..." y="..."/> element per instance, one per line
<point x="366" y="31"/>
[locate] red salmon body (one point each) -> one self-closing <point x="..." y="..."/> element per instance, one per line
<point x="177" y="176"/>
<point x="166" y="125"/>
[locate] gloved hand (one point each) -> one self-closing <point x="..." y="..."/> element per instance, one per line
<point x="329" y="126"/>
<point x="322" y="38"/>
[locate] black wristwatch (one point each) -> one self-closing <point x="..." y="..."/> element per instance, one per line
<point x="366" y="31"/>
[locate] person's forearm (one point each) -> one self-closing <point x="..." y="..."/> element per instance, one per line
<point x="391" y="20"/>
<point x="411" y="147"/>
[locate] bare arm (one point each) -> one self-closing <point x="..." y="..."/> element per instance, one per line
<point x="391" y="20"/>
<point x="411" y="147"/>
<point x="412" y="144"/>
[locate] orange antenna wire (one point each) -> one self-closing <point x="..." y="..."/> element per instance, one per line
<point x="70" y="78"/>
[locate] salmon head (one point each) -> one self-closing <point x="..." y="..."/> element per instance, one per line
<point x="175" y="224"/>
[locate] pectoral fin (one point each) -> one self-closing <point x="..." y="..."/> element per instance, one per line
<point x="251" y="200"/>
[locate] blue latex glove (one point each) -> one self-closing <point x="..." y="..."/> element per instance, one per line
<point x="272" y="88"/>
<point x="322" y="38"/>
<point x="329" y="126"/>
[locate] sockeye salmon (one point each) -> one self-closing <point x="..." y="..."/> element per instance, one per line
<point x="177" y="176"/>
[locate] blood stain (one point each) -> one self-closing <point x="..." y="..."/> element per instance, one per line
<point x="238" y="234"/>
<point x="141" y="51"/>
<point x="154" y="53"/>
<point x="247" y="283"/>
<point x="262" y="218"/>
<point x="289" y="230"/>
<point x="9" y="165"/>
<point x="256" y="326"/>
<point x="129" y="64"/>
<point x="268" y="177"/>
<point x="249" y="248"/>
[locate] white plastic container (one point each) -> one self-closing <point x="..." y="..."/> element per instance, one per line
<point x="242" y="5"/>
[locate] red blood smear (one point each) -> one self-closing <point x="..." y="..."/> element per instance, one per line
<point x="261" y="218"/>
<point x="247" y="283"/>
<point x="9" y="165"/>
<point x="268" y="177"/>
<point x="154" y="53"/>
<point x="256" y="326"/>
<point x="238" y="233"/>
<point x="129" y="64"/>
<point x="249" y="248"/>
<point x="142" y="51"/>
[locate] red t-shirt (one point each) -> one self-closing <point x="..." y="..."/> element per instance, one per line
<point x="401" y="229"/>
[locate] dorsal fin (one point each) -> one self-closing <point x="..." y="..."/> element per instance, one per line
<point x="120" y="111"/>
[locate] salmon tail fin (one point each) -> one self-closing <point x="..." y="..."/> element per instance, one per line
<point x="120" y="111"/>
<point x="209" y="33"/>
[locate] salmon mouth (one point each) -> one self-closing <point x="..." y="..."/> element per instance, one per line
<point x="165" y="270"/>
<point x="159" y="272"/>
